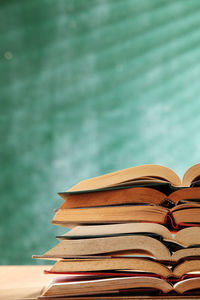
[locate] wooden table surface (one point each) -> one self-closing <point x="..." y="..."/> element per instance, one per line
<point x="28" y="282"/>
<point x="23" y="282"/>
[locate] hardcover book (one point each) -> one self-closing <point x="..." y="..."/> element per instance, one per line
<point x="138" y="234"/>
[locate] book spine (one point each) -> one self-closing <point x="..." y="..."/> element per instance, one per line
<point x="170" y="223"/>
<point x="166" y="202"/>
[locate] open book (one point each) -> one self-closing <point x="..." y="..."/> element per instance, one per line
<point x="121" y="247"/>
<point x="186" y="214"/>
<point x="184" y="270"/>
<point x="139" y="176"/>
<point x="150" y="193"/>
<point x="152" y="241"/>
<point x="132" y="195"/>
<point x="131" y="263"/>
<point x="117" y="286"/>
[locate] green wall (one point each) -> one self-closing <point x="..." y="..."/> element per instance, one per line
<point x="88" y="87"/>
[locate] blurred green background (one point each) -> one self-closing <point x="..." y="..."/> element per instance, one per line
<point x="89" y="87"/>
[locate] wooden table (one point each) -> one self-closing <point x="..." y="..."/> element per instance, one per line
<point x="22" y="282"/>
<point x="28" y="282"/>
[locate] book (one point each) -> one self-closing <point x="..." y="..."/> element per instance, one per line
<point x="187" y="236"/>
<point x="133" y="195"/>
<point x="135" y="265"/>
<point x="186" y="214"/>
<point x="129" y="239"/>
<point x="187" y="241"/>
<point x="101" y="246"/>
<point x="111" y="214"/>
<point x="139" y="175"/>
<point x="99" y="286"/>
<point x="114" y="286"/>
<point x="134" y="204"/>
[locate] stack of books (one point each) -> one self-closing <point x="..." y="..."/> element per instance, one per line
<point x="134" y="232"/>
